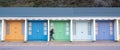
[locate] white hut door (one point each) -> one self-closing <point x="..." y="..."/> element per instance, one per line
<point x="82" y="30"/>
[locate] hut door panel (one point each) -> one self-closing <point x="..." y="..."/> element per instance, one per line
<point x="33" y="32"/>
<point x="83" y="34"/>
<point x="65" y="30"/>
<point x="41" y="30"/>
<point x="59" y="30"/>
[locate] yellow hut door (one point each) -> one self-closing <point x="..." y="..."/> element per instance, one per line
<point x="15" y="31"/>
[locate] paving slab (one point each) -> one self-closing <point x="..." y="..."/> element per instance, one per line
<point x="52" y="43"/>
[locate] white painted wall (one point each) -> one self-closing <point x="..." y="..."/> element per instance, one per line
<point x="71" y="30"/>
<point x="2" y="34"/>
<point x="116" y="30"/>
<point x="25" y="35"/>
<point x="0" y="29"/>
<point x="48" y="30"/>
<point x="94" y="30"/>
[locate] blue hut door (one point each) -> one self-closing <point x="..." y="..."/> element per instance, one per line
<point x="104" y="30"/>
<point x="37" y="31"/>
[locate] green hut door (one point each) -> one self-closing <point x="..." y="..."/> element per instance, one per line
<point x="61" y="30"/>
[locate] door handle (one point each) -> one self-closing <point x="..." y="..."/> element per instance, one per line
<point x="103" y="32"/>
<point x="81" y="32"/>
<point x="37" y="30"/>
